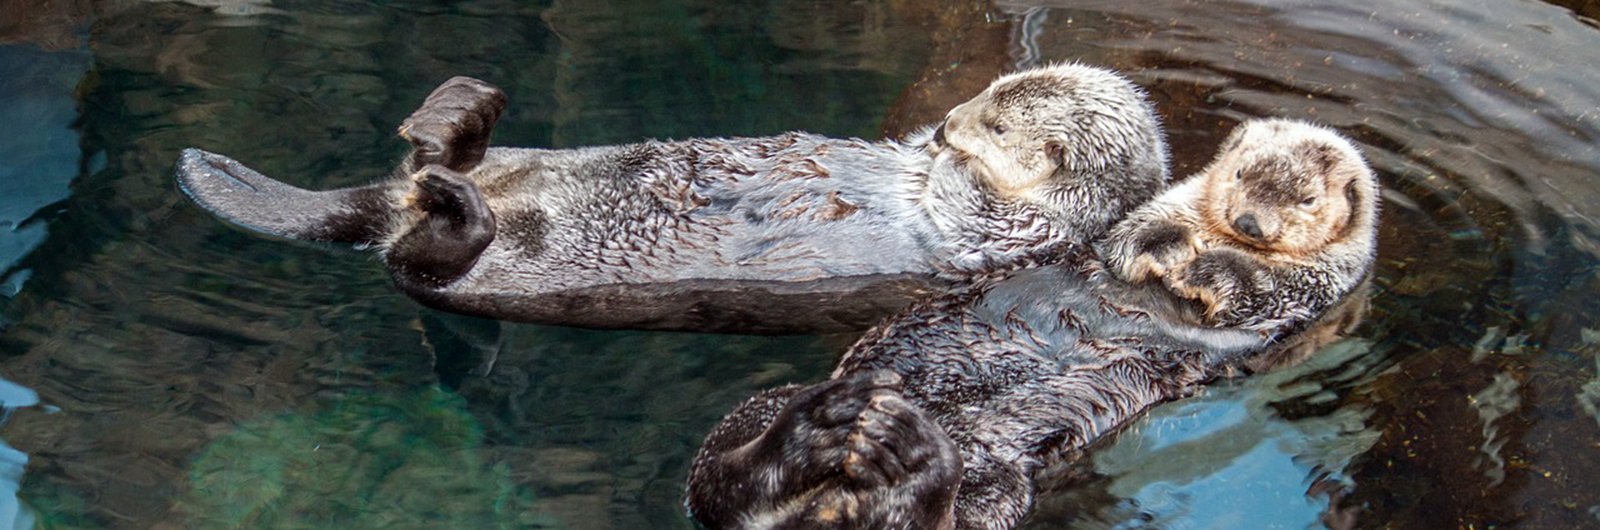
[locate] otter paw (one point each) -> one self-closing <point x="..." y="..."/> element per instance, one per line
<point x="1218" y="278"/>
<point x="810" y="437"/>
<point x="892" y="443"/>
<point x="446" y="240"/>
<point x="444" y="192"/>
<point x="1159" y="249"/>
<point x="452" y="126"/>
<point x="871" y="459"/>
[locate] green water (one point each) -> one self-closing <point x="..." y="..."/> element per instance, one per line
<point x="191" y="375"/>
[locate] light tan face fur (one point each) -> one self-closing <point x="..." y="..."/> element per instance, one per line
<point x="1051" y="122"/>
<point x="1296" y="186"/>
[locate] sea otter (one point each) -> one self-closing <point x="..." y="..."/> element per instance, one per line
<point x="940" y="417"/>
<point x="794" y="232"/>
<point x="1277" y="228"/>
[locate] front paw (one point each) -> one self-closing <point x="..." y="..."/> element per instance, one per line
<point x="1220" y="279"/>
<point x="1153" y="251"/>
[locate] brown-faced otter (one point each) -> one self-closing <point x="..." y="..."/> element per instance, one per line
<point x="795" y="232"/>
<point x="1278" y="227"/>
<point x="940" y="417"/>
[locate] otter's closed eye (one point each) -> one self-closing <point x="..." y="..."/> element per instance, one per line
<point x="1308" y="201"/>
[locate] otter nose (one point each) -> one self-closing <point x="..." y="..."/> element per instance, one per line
<point x="1246" y="224"/>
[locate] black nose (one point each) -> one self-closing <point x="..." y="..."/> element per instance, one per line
<point x="938" y="135"/>
<point x="1246" y="224"/>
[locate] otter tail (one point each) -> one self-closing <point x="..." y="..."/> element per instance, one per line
<point x="252" y="200"/>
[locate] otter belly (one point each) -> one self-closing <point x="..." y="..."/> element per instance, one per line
<point x="739" y="234"/>
<point x="787" y="234"/>
<point x="794" y="233"/>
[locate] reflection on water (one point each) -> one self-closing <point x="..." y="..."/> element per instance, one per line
<point x="13" y="463"/>
<point x="1193" y="461"/>
<point x="206" y="377"/>
<point x="12" y="514"/>
<point x="39" y="164"/>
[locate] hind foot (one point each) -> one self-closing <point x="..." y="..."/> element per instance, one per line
<point x="455" y="226"/>
<point x="452" y="126"/>
<point x="891" y="442"/>
<point x="853" y="453"/>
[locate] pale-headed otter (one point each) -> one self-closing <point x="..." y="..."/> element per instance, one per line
<point x="1018" y="139"/>
<point x="940" y="417"/>
<point x="795" y="232"/>
<point x="1279" y="226"/>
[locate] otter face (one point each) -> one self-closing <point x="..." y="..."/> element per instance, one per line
<point x="1285" y="186"/>
<point x="1053" y="125"/>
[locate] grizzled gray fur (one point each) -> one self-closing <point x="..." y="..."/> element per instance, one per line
<point x="940" y="417"/>
<point x="795" y="232"/>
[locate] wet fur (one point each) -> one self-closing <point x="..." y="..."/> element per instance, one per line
<point x="1013" y="381"/>
<point x="1061" y="152"/>
<point x="1303" y="257"/>
<point x="678" y="234"/>
<point x="1018" y="372"/>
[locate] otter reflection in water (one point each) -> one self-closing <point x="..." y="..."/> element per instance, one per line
<point x="941" y="416"/>
<point x="795" y="232"/>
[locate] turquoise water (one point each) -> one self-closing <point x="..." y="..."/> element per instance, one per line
<point x="173" y="372"/>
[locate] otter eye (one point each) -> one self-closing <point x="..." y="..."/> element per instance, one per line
<point x="1000" y="128"/>
<point x="1308" y="201"/>
<point x="1238" y="174"/>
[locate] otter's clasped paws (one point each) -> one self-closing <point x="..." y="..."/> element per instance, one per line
<point x="1218" y="278"/>
<point x="452" y="127"/>
<point x="1161" y="248"/>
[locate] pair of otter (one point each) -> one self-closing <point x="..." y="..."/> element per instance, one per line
<point x="938" y="417"/>
<point x="725" y="234"/>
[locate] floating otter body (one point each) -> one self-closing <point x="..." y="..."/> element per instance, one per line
<point x="940" y="417"/>
<point x="795" y="232"/>
<point x="1277" y="228"/>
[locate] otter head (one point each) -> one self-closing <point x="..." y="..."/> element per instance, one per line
<point x="1288" y="187"/>
<point x="1058" y="127"/>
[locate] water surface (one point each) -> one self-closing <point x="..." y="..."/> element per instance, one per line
<point x="192" y="375"/>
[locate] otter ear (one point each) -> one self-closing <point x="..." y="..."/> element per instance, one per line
<point x="1056" y="151"/>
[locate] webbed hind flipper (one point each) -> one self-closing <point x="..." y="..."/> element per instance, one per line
<point x="452" y="126"/>
<point x="247" y="198"/>
<point x="456" y="225"/>
<point x="849" y="453"/>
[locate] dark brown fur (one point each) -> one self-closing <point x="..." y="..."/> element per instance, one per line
<point x="1012" y="380"/>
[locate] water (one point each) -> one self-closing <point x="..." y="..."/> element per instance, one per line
<point x="191" y="375"/>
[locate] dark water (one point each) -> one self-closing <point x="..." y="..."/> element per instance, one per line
<point x="172" y="372"/>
